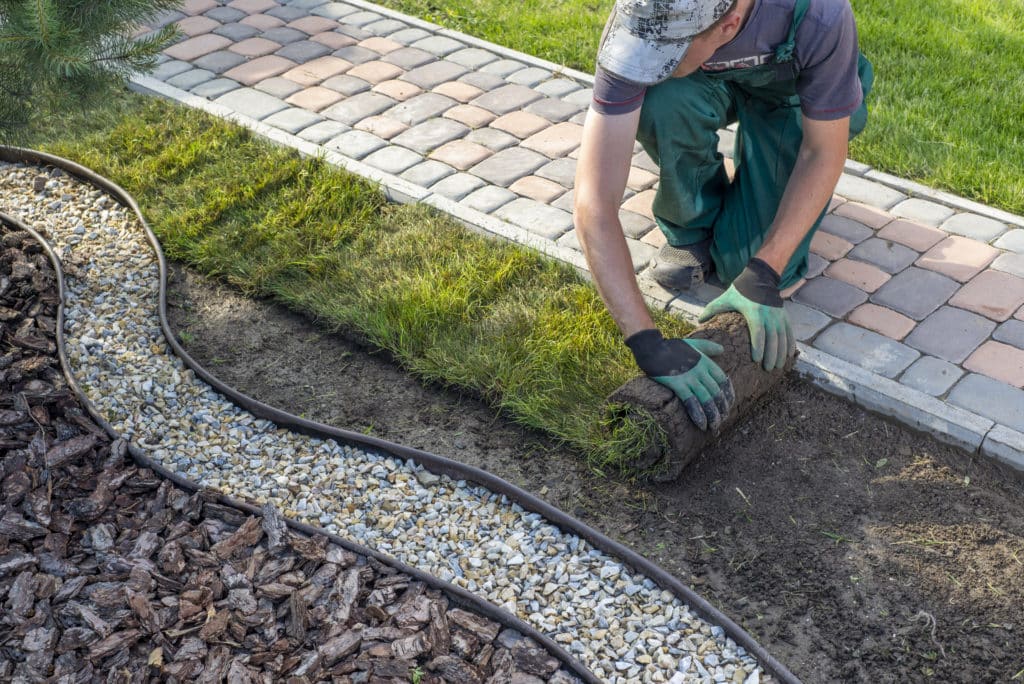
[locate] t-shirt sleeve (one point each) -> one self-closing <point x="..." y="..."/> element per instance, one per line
<point x="828" y="85"/>
<point x="613" y="95"/>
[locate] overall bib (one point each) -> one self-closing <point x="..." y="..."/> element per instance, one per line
<point x="679" y="124"/>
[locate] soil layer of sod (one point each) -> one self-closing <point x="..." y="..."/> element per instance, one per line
<point x="852" y="548"/>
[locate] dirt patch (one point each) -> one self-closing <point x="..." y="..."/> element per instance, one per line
<point x="850" y="547"/>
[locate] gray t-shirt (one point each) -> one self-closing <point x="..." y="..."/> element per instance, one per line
<point x="826" y="56"/>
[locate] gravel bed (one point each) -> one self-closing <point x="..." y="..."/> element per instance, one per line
<point x="618" y="623"/>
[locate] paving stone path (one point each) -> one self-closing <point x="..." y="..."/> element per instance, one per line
<point x="914" y="303"/>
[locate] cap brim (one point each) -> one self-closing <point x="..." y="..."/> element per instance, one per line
<point x="642" y="61"/>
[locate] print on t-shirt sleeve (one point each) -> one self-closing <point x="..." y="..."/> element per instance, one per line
<point x="613" y="95"/>
<point x="828" y="84"/>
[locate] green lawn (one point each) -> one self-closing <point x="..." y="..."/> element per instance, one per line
<point x="946" y="110"/>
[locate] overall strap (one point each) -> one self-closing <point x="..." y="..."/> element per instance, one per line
<point x="784" y="52"/>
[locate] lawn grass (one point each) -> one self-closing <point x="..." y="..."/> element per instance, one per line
<point x="946" y="107"/>
<point x="500" y="321"/>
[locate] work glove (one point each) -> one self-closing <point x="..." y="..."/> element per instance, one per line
<point x="755" y="294"/>
<point x="685" y="368"/>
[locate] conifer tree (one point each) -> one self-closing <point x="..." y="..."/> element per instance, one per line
<point x="71" y="53"/>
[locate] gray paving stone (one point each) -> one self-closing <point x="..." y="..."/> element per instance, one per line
<point x="166" y="17"/>
<point x="558" y="87"/>
<point x="566" y="201"/>
<point x="306" y="4"/>
<point x="385" y="27"/>
<point x="886" y="255"/>
<point x="975" y="227"/>
<point x="535" y="217"/>
<point x="923" y="211"/>
<point x="320" y="133"/>
<point x="1011" y="332"/>
<point x="409" y="35"/>
<point x="642" y="161"/>
<point x="293" y="119"/>
<point x="1013" y="240"/>
<point x="868" y="192"/>
<point x="334" y="10"/>
<point x="950" y="334"/>
<point x="346" y="85"/>
<point x="356" y="144"/>
<point x="492" y="138"/>
<point x="915" y="292"/>
<point x="1005" y="445"/>
<point x="393" y="159"/>
<point x="570" y="240"/>
<point x="252" y="103"/>
<point x="633" y="225"/>
<point x="355" y="54"/>
<point x="990" y="398"/>
<point x="834" y="297"/>
<point x="358" y="107"/>
<point x="1010" y="263"/>
<point x="561" y="171"/>
<point x="218" y="62"/>
<point x="363" y="18"/>
<point x="506" y="99"/>
<point x="848" y="229"/>
<point x="422" y="107"/>
<point x="216" y="88"/>
<point x="867" y="349"/>
<point x="502" y="67"/>
<point x="482" y="81"/>
<point x="805" y="321"/>
<point x="427" y="173"/>
<point x="225" y="15"/>
<point x="408" y="57"/>
<point x="439" y="45"/>
<point x="284" y="35"/>
<point x="472" y="58"/>
<point x="457" y="186"/>
<point x="580" y="118"/>
<point x="816" y="265"/>
<point x="424" y="138"/>
<point x="278" y="87"/>
<point x="433" y="74"/>
<point x="286" y="14"/>
<point x="529" y="77"/>
<point x="507" y="166"/>
<point x="170" y="69"/>
<point x="303" y="51"/>
<point x="553" y="109"/>
<point x="236" y="32"/>
<point x="191" y="78"/>
<point x="931" y="375"/>
<point x="640" y="253"/>
<point x="488" y="198"/>
<point x="583" y="97"/>
<point x="354" y="32"/>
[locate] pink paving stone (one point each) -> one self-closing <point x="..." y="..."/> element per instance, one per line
<point x="835" y="202"/>
<point x="315" y="98"/>
<point x="470" y="115"/>
<point x="640" y="203"/>
<point x="381" y="46"/>
<point x="791" y="290"/>
<point x="640" y="179"/>
<point x="252" y="6"/>
<point x="194" y="48"/>
<point x="194" y="7"/>
<point x="397" y="90"/>
<point x="381" y="126"/>
<point x="333" y="39"/>
<point x="313" y="25"/>
<point x="376" y="72"/>
<point x="999" y="361"/>
<point x="885" y="321"/>
<point x="458" y="91"/>
<point x="556" y="141"/>
<point x="913" y="235"/>
<point x="263" y="22"/>
<point x="259" y="69"/>
<point x="859" y="274"/>
<point x="655" y="238"/>
<point x="255" y="47"/>
<point x="461" y="154"/>
<point x="862" y="213"/>
<point x="520" y="124"/>
<point x="992" y="294"/>
<point x="318" y="70"/>
<point x="830" y="246"/>
<point x="537" y="188"/>
<point x="197" y="26"/>
<point x="958" y="257"/>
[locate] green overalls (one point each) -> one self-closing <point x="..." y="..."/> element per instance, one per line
<point x="679" y="124"/>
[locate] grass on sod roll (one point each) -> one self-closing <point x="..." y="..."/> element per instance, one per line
<point x="945" y="110"/>
<point x="523" y="331"/>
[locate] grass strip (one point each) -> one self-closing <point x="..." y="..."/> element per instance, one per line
<point x="522" y="331"/>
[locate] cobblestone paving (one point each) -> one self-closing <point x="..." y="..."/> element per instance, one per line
<point x="915" y="286"/>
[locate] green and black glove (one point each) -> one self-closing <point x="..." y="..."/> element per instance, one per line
<point x="685" y="368"/>
<point x="755" y="294"/>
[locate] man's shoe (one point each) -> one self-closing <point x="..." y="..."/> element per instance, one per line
<point x="682" y="268"/>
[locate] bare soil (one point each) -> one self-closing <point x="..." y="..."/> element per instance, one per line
<point x="852" y="548"/>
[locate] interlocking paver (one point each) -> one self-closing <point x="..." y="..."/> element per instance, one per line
<point x="320" y="133"/>
<point x="633" y="225"/>
<point x="537" y="188"/>
<point x="482" y="81"/>
<point x="1013" y="240"/>
<point x="421" y="108"/>
<point x="457" y="186"/>
<point x="255" y="47"/>
<point x="520" y="124"/>
<point x="170" y="69"/>
<point x="193" y="48"/>
<point x="862" y="213"/>
<point x="285" y="35"/>
<point x="236" y="31"/>
<point x="792" y="289"/>
<point x="654" y="238"/>
<point x="867" y="349"/>
<point x="556" y="141"/>
<point x="882" y="320"/>
<point x="334" y="10"/>
<point x="492" y="138"/>
<point x="430" y="134"/>
<point x="292" y="120"/>
<point x="381" y="126"/>
<point x="252" y="102"/>
<point x="886" y="255"/>
<point x="553" y="109"/>
<point x="317" y="71"/>
<point x="286" y="14"/>
<point x="999" y="361"/>
<point x="507" y="166"/>
<point x="427" y="173"/>
<point x="805" y="321"/>
<point x="931" y="375"/>
<point x="278" y="87"/>
<point x="346" y="85"/>
<point x="191" y="78"/>
<point x="263" y="22"/>
<point x="868" y="192"/>
<point x="830" y="246"/>
<point x="535" y="217"/>
<point x="358" y="107"/>
<point x="922" y="211"/>
<point x="951" y="333"/>
<point x="507" y="98"/>
<point x="434" y="74"/>
<point x="848" y="229"/>
<point x="386" y="27"/>
<point x="640" y="253"/>
<point x="312" y="25"/>
<point x="461" y="154"/>
<point x="408" y="58"/>
<point x="260" y="68"/>
<point x="641" y="203"/>
<point x="502" y="67"/>
<point x="993" y="399"/>
<point x="993" y="294"/>
<point x="529" y="76"/>
<point x="439" y="45"/>
<point x="834" y="297"/>
<point x="643" y="161"/>
<point x="471" y="116"/>
<point x="219" y="62"/>
<point x="558" y="87"/>
<point x="583" y="98"/>
<point x="409" y="35"/>
<point x="858" y="273"/>
<point x="562" y="171"/>
<point x="375" y="71"/>
<point x="334" y="39"/>
<point x="488" y="198"/>
<point x="472" y="58"/>
<point x="458" y="91"/>
<point x="304" y="51"/>
<point x="400" y="91"/>
<point x="815" y="265"/>
<point x="1010" y="263"/>
<point x="393" y="159"/>
<point x="913" y="235"/>
<point x="193" y="7"/>
<point x="639" y="179"/>
<point x="381" y="46"/>
<point x="362" y="18"/>
<point x="226" y="15"/>
<point x="1011" y="332"/>
<point x="958" y="257"/>
<point x="197" y="26"/>
<point x="216" y="88"/>
<point x="252" y="6"/>
<point x="915" y="292"/>
<point x="354" y="32"/>
<point x="973" y="226"/>
<point x="356" y="144"/>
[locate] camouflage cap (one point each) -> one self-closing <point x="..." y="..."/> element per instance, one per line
<point x="646" y="39"/>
